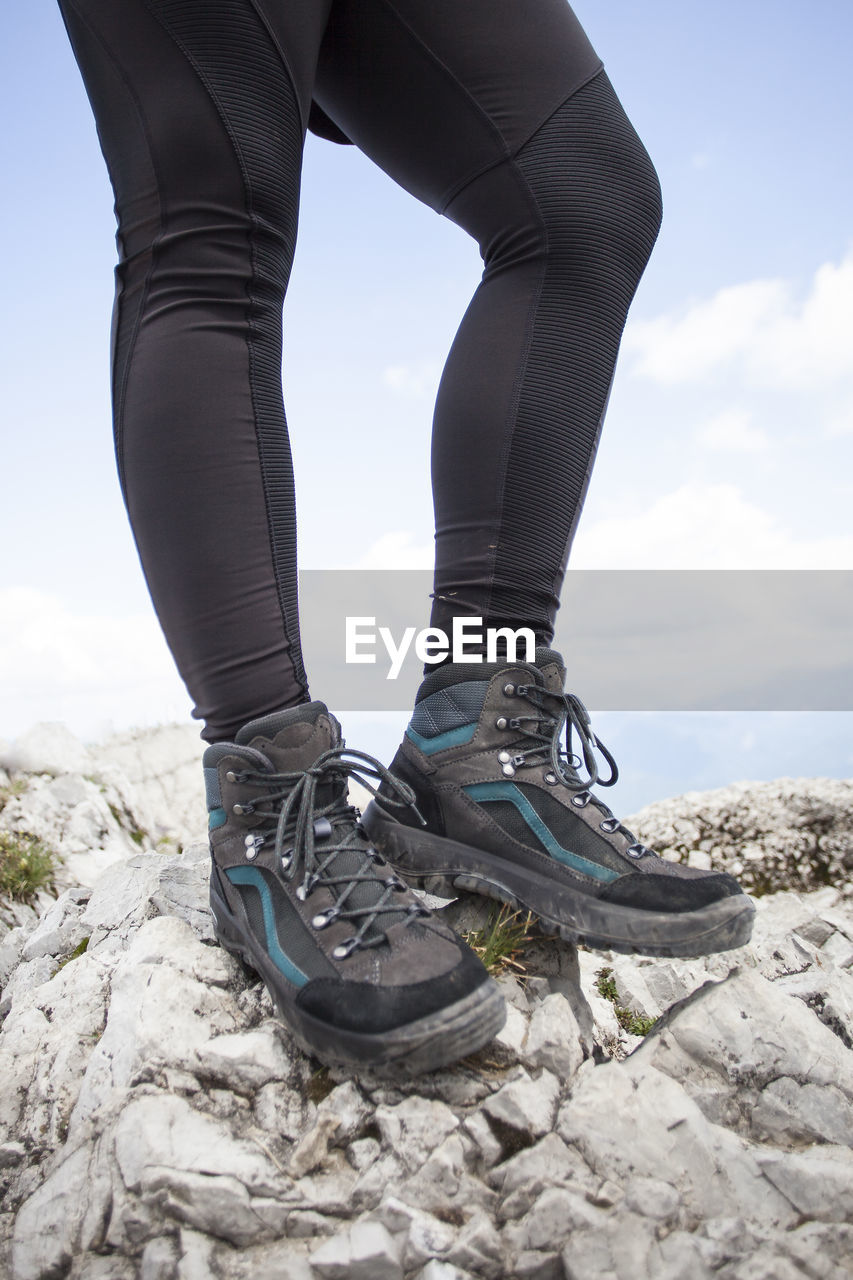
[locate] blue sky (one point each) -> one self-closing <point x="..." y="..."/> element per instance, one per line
<point x="729" y="440"/>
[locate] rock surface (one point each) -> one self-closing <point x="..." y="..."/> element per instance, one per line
<point x="158" y="1123"/>
<point x="795" y="833"/>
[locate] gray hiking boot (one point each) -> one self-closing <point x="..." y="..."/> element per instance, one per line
<point x="363" y="974"/>
<point x="508" y="815"/>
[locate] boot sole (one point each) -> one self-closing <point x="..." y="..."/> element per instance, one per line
<point x="423" y="1045"/>
<point x="443" y="866"/>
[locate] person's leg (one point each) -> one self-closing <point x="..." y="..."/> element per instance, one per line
<point x="201" y="118"/>
<point x="500" y="116"/>
<point x="201" y="111"/>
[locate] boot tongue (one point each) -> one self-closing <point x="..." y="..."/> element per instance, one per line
<point x="293" y="739"/>
<point x="553" y="669"/>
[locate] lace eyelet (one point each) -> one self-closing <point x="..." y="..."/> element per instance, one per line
<point x="253" y="845"/>
<point x="242" y="809"/>
<point x="395" y="883"/>
<point x="581" y="799"/>
<point x="501" y="722"/>
<point x="609" y="825"/>
<point x="551" y="779"/>
<point x="345" y="948"/>
<point x="324" y="918"/>
<point x="636" y="850"/>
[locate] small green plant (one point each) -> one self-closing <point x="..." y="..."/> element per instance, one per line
<point x="500" y="942"/>
<point x="137" y="834"/>
<point x="25" y="866"/>
<point x="78" y="951"/>
<point x="16" y="787"/>
<point x="634" y="1023"/>
<point x="606" y="985"/>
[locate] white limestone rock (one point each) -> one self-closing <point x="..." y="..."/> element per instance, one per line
<point x="150" y="1071"/>
<point x="478" y="1248"/>
<point x="243" y="1061"/>
<point x="525" y="1104"/>
<point x="436" y="1270"/>
<point x="349" y="1107"/>
<point x="311" y="1151"/>
<point x="365" y="1252"/>
<point x="196" y="1172"/>
<point x="513" y="1033"/>
<point x="622" y="1251"/>
<point x="58" y="1222"/>
<point x="374" y="1254"/>
<point x="716" y="1172"/>
<point x="828" y="992"/>
<point x="421" y="1235"/>
<point x="61" y="929"/>
<point x="554" y="1038"/>
<point x="547" y="1164"/>
<point x="786" y="834"/>
<point x="414" y="1127"/>
<point x="731" y="1041"/>
<point x="48" y="747"/>
<point x="46" y="1044"/>
<point x="161" y="1015"/>
<point x="27" y="976"/>
<point x="818" y="1182"/>
<point x="163" y="768"/>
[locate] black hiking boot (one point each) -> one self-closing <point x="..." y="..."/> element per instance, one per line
<point x="362" y="973"/>
<point x="509" y="816"/>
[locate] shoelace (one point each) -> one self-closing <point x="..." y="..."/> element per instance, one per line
<point x="301" y="822"/>
<point x="573" y="718"/>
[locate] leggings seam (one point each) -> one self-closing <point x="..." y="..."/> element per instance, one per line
<point x="512" y="415"/>
<point x="274" y="41"/>
<point x="577" y="88"/>
<point x="294" y="649"/>
<point x="119" y="394"/>
<point x="456" y="190"/>
<point x="445" y="199"/>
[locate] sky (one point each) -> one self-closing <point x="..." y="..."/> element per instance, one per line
<point x="729" y="437"/>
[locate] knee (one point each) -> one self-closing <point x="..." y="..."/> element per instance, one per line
<point x="594" y="187"/>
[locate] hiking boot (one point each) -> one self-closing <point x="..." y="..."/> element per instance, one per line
<point x="362" y="973"/>
<point x="508" y="815"/>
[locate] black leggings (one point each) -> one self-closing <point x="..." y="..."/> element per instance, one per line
<point x="496" y="113"/>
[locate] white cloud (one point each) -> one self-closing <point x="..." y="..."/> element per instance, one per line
<point x="417" y="381"/>
<point x="396" y="550"/>
<point x="91" y="672"/>
<point x="703" y="527"/>
<point x="841" y="421"/>
<point x="732" y="430"/>
<point x="696" y="526"/>
<point x="759" y="329"/>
